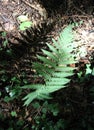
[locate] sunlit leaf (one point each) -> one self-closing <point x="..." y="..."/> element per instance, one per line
<point x="22" y="18"/>
<point x="25" y="25"/>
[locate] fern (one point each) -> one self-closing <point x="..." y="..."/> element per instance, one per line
<point x="53" y="67"/>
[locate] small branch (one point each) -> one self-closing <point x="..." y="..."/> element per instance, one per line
<point x="42" y="11"/>
<point x="30" y="5"/>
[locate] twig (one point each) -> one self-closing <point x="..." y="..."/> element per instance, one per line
<point x="30" y="5"/>
<point x="42" y="11"/>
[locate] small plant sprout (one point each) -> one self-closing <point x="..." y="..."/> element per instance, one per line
<point x="24" y="22"/>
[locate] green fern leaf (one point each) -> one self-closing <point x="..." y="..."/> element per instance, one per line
<point x="53" y="67"/>
<point x="46" y="61"/>
<point x="52" y="48"/>
<point x="63" y="68"/>
<point x="61" y="75"/>
<point x="50" y="54"/>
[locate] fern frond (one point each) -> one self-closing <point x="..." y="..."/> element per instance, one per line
<point x="53" y="67"/>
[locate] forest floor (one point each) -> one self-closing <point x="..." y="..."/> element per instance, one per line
<point x="46" y="24"/>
